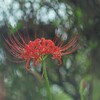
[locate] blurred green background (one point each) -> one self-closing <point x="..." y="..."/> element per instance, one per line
<point x="80" y="72"/>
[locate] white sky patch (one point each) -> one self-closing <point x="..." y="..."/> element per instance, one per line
<point x="15" y="5"/>
<point x="62" y="10"/>
<point x="2" y="5"/>
<point x="27" y="5"/>
<point x="1" y="17"/>
<point x="51" y="15"/>
<point x="12" y="21"/>
<point x="42" y="14"/>
<point x="45" y="15"/>
<point x="19" y="14"/>
<point x="36" y="6"/>
<point x="7" y="2"/>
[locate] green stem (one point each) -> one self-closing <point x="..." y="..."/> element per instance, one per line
<point x="46" y="81"/>
<point x="82" y="97"/>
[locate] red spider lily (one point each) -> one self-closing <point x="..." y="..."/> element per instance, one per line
<point x="39" y="48"/>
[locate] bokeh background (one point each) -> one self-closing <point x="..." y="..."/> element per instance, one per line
<point x="80" y="72"/>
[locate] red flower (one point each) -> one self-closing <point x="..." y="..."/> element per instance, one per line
<point x="39" y="48"/>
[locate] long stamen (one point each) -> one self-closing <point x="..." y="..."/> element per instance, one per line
<point x="70" y="43"/>
<point x="17" y="41"/>
<point x="10" y="45"/>
<point x="60" y="44"/>
<point x="71" y="51"/>
<point x="21" y="38"/>
<point x="12" y="52"/>
<point x="13" y="45"/>
<point x="18" y="47"/>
